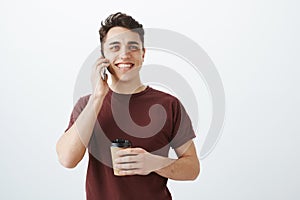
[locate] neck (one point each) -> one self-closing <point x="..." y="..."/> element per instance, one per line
<point x="127" y="87"/>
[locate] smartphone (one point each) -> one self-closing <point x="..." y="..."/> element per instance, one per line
<point x="103" y="71"/>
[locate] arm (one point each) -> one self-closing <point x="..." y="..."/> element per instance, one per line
<point x="186" y="167"/>
<point x="71" y="146"/>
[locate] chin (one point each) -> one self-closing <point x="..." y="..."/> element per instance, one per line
<point x="126" y="77"/>
<point x="130" y="75"/>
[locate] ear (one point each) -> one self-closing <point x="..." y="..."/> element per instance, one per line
<point x="144" y="51"/>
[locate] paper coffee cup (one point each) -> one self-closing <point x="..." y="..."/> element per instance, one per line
<point x="117" y="145"/>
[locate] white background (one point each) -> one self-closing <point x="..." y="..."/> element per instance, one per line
<point x="254" y="44"/>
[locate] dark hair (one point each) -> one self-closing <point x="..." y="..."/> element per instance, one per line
<point x="122" y="20"/>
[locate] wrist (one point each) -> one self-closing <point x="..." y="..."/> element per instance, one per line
<point x="162" y="163"/>
<point x="96" y="102"/>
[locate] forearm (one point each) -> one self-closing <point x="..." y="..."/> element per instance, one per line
<point x="137" y="161"/>
<point x="184" y="168"/>
<point x="72" y="144"/>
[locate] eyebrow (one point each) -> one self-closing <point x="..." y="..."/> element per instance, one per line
<point x="130" y="42"/>
<point x="112" y="43"/>
<point x="133" y="42"/>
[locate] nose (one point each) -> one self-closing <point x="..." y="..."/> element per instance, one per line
<point x="124" y="53"/>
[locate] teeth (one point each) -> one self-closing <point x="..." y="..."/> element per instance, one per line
<point x="124" y="65"/>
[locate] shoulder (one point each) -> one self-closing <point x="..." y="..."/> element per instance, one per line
<point x="169" y="101"/>
<point x="163" y="96"/>
<point x="82" y="101"/>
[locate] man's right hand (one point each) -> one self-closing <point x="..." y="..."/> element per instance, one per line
<point x="100" y="86"/>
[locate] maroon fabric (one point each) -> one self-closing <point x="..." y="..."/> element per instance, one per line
<point x="177" y="130"/>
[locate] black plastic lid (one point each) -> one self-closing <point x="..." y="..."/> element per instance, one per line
<point x="121" y="143"/>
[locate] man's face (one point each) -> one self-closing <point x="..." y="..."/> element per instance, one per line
<point x="123" y="48"/>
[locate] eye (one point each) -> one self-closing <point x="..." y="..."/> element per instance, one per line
<point x="133" y="47"/>
<point x="114" y="48"/>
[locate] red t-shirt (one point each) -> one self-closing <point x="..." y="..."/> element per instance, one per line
<point x="152" y="120"/>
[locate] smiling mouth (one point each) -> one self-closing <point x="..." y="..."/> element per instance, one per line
<point x="124" y="66"/>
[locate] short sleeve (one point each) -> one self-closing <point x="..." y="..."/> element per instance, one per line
<point x="79" y="106"/>
<point x="182" y="126"/>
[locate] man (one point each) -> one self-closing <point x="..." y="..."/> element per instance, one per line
<point x="152" y="120"/>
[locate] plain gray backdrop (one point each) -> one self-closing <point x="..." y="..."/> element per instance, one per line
<point x="254" y="45"/>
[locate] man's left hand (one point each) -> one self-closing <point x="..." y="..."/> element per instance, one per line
<point x="137" y="161"/>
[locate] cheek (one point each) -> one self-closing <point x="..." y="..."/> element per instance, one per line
<point x="110" y="56"/>
<point x="139" y="58"/>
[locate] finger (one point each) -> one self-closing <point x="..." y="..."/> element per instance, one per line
<point x="127" y="166"/>
<point x="102" y="65"/>
<point x="130" y="151"/>
<point x="101" y="70"/>
<point x="128" y="172"/>
<point x="127" y="159"/>
<point x="101" y="60"/>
